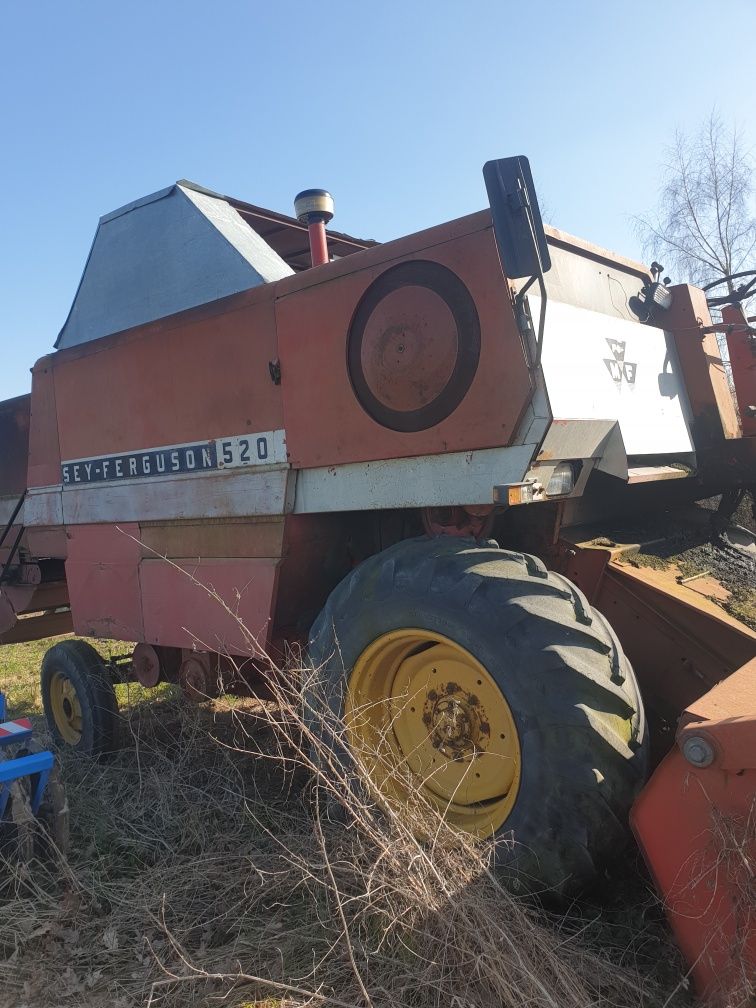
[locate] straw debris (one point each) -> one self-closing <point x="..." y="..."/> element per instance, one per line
<point x="222" y="858"/>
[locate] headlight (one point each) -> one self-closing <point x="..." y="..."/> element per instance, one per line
<point x="659" y="295"/>
<point x="562" y="480"/>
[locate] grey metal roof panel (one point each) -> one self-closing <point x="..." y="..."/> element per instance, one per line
<point x="238" y="233"/>
<point x="162" y="254"/>
<point x="152" y="198"/>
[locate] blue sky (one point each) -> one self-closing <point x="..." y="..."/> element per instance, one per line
<point x="393" y="106"/>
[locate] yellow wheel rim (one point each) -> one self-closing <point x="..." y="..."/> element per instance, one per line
<point x="422" y="714"/>
<point x="66" y="708"/>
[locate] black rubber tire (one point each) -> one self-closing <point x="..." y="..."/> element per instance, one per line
<point x="557" y="664"/>
<point x="85" y="669"/>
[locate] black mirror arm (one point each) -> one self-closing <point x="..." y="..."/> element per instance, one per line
<point x="542" y="286"/>
<point x="520" y="240"/>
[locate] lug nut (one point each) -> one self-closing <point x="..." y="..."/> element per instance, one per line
<point x="698" y="751"/>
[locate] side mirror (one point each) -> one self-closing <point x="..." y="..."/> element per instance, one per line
<point x="516" y="218"/>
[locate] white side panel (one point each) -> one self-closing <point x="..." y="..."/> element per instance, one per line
<point x="203" y="495"/>
<point x="599" y="367"/>
<point x="536" y="419"/>
<point x="43" y="506"/>
<point x="424" y="481"/>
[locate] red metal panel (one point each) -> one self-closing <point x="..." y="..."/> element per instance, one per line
<point x="200" y="375"/>
<point x="679" y="643"/>
<point x="114" y="543"/>
<point x="695" y="826"/>
<point x="260" y="536"/>
<point x="742" y="347"/>
<point x="105" y="600"/>
<point x="701" y="363"/>
<point x="102" y="572"/>
<point x="44" y="451"/>
<point x="205" y="604"/>
<point x="325" y="423"/>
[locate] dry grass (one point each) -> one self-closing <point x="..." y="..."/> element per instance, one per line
<point x="729" y="857"/>
<point x="221" y="857"/>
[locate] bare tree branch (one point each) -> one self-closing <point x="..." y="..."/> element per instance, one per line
<point x="705" y="225"/>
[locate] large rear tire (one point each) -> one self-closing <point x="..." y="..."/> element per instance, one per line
<point x="502" y="696"/>
<point x="78" y="697"/>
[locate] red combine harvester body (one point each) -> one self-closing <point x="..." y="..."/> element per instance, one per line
<point x="227" y="444"/>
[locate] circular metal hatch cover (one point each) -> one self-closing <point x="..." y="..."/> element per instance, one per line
<point x="413" y="346"/>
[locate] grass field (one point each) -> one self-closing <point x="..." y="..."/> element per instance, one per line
<point x="210" y="865"/>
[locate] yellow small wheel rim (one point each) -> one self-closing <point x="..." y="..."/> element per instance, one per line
<point x="66" y="708"/>
<point x="423" y="716"/>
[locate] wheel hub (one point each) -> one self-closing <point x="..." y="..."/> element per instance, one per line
<point x="456" y="722"/>
<point x="66" y="708"/>
<point x="427" y="718"/>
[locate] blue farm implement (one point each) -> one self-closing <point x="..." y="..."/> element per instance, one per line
<point x="29" y="787"/>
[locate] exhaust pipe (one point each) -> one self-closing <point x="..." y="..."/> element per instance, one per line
<point x="314" y="207"/>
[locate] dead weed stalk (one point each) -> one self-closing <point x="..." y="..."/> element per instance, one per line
<point x="237" y="860"/>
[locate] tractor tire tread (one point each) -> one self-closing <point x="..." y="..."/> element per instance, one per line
<point x="82" y="664"/>
<point x="570" y="669"/>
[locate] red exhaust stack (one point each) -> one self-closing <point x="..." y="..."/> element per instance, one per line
<point x="314" y="207"/>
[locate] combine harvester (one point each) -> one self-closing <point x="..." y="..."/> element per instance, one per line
<point x="439" y="462"/>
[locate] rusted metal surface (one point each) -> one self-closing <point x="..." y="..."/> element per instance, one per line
<point x="38" y="626"/>
<point x="19" y="588"/>
<point x="47" y="542"/>
<point x="318" y="243"/>
<point x="47" y="595"/>
<point x="706" y="385"/>
<point x="44" y="449"/>
<point x="727" y="717"/>
<point x="120" y="589"/>
<point x="742" y="347"/>
<point x="318" y="382"/>
<point x="102" y="571"/>
<point x="696" y="826"/>
<point x="256" y="536"/>
<point x="196" y="677"/>
<point x="464" y="522"/>
<point x="145" y="665"/>
<point x="680" y="643"/>
<point x="406" y="367"/>
<point x="210" y="378"/>
<point x="27" y="595"/>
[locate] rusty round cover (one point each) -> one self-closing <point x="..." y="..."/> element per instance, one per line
<point x="145" y="665"/>
<point x="413" y="346"/>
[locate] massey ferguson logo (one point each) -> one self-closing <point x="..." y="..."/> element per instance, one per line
<point x="620" y="369"/>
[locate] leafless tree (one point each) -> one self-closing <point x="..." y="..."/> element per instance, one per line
<point x="705" y="223"/>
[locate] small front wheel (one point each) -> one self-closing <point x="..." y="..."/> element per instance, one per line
<point x="78" y="697"/>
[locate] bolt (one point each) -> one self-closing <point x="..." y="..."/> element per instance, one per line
<point x="698" y="751"/>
